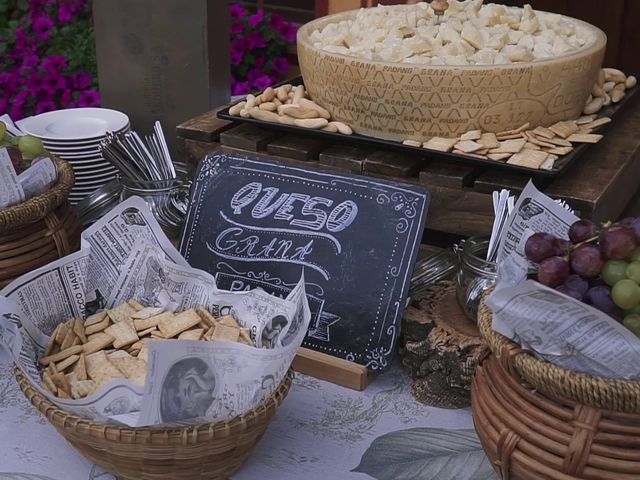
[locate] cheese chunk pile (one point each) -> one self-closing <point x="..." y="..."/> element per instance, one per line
<point x="469" y="33"/>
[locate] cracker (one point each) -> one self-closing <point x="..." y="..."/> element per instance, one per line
<point x="549" y="162"/>
<point x="123" y="333"/>
<point x="194" y="334"/>
<point x="78" y="329"/>
<point x="471" y="135"/>
<point x="245" y="337"/>
<point x="559" y="141"/>
<point x="143" y="353"/>
<point x="60" y="381"/>
<point x="80" y="368"/>
<point x="536" y="141"/>
<point x="440" y="144"/>
<point x="71" y="377"/>
<point x="226" y="333"/>
<point x="51" y="344"/>
<point x="147" y="312"/>
<point x="560" y="150"/>
<point x="596" y="123"/>
<point x="67" y="362"/>
<point x="207" y="317"/>
<point x="121" y="313"/>
<point x="531" y="146"/>
<point x="137" y="306"/>
<point x="117" y="354"/>
<point x="229" y="321"/>
<point x="96" y="327"/>
<point x="101" y="370"/>
<point x="157" y="335"/>
<point x="139" y="344"/>
<point x="209" y="333"/>
<point x="133" y="368"/>
<point x="564" y="129"/>
<point x="468" y="146"/>
<point x="585" y="138"/>
<point x="82" y="388"/>
<point x="510" y="146"/>
<point x="475" y="155"/>
<point x="61" y="332"/>
<point x="142" y="333"/>
<point x="498" y="156"/>
<point x="489" y="140"/>
<point x="529" y="158"/>
<point x="182" y="321"/>
<point x="61" y="393"/>
<point x="543" y="132"/>
<point x="48" y="383"/>
<point x="145" y="323"/>
<point x="102" y="340"/>
<point x="514" y="131"/>
<point x="95" y="318"/>
<point x="68" y="339"/>
<point x="61" y="355"/>
<point x="511" y="136"/>
<point x="586" y="119"/>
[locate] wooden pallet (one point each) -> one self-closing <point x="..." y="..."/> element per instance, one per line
<point x="599" y="185"/>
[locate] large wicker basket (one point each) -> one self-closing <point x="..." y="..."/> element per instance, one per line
<point x="203" y="451"/>
<point x="40" y="230"/>
<point x="536" y="420"/>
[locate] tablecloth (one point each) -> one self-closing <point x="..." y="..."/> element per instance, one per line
<point x="322" y="431"/>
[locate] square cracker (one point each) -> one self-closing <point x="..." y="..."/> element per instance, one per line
<point x="95" y="318"/>
<point x="133" y="368"/>
<point x="440" y="144"/>
<point x="194" y="334"/>
<point x="101" y="370"/>
<point x="97" y="326"/>
<point x="489" y="140"/>
<point x="528" y="158"/>
<point x="182" y="321"/>
<point x="224" y="332"/>
<point x="207" y="317"/>
<point x="510" y="146"/>
<point x="100" y="341"/>
<point x="124" y="334"/>
<point x="121" y="313"/>
<point x="146" y="323"/>
<point x="229" y="321"/>
<point x="82" y="388"/>
<point x="147" y="312"/>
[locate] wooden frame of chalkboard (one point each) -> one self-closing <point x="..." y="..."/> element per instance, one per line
<point x="257" y="223"/>
<point x="454" y="158"/>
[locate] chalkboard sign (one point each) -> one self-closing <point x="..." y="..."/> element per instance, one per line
<point x="255" y="223"/>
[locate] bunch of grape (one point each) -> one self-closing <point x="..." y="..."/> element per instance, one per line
<point x="600" y="267"/>
<point x="29" y="147"/>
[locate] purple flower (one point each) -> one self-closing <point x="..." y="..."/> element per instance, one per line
<point x="35" y="5"/>
<point x="255" y="40"/>
<point x="66" y="12"/>
<point x="288" y="33"/>
<point x="236" y="57"/>
<point x="237" y="11"/>
<point x="16" y="112"/>
<point x="255" y="19"/>
<point x="89" y="98"/>
<point x="254" y="74"/>
<point x="280" y="65"/>
<point x="45" y="106"/>
<point x="262" y="82"/>
<point x="236" y="28"/>
<point x="54" y="82"/>
<point x="54" y="63"/>
<point x="260" y="61"/>
<point x="81" y="80"/>
<point x="240" y="88"/>
<point x="276" y="22"/>
<point x="66" y="98"/>
<point x="30" y="60"/>
<point x="42" y="27"/>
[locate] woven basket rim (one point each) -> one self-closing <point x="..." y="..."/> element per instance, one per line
<point x="592" y="390"/>
<point x="40" y="205"/>
<point x="67" y="421"/>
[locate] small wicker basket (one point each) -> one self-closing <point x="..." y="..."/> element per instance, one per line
<point x="536" y="420"/>
<point x="40" y="230"/>
<point x="204" y="451"/>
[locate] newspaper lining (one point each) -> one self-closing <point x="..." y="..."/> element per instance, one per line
<point x="10" y="189"/>
<point x="39" y="177"/>
<point x="117" y="256"/>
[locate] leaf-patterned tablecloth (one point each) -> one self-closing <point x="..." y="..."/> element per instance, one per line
<point x="321" y="431"/>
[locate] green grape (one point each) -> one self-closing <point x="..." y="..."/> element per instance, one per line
<point x="632" y="322"/>
<point x="633" y="271"/>
<point x="633" y="311"/>
<point x="635" y="256"/>
<point x="626" y="294"/>
<point x="30" y="146"/>
<point x="614" y="271"/>
<point x="3" y="130"/>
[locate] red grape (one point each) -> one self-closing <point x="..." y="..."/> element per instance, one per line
<point x="561" y="247"/>
<point x="618" y="242"/>
<point x="582" y="230"/>
<point x="633" y="223"/>
<point x="553" y="271"/>
<point x="540" y="246"/>
<point x="600" y="297"/>
<point x="569" y="291"/>
<point x="577" y="283"/>
<point x="587" y="261"/>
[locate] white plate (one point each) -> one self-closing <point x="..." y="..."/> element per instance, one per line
<point x="78" y="144"/>
<point x="84" y="168"/>
<point x="98" y="160"/>
<point x="74" y="123"/>
<point x="94" y="177"/>
<point x="79" y="156"/>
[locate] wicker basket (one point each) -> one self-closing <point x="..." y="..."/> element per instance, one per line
<point x="40" y="230"/>
<point x="204" y="451"/>
<point x="536" y="420"/>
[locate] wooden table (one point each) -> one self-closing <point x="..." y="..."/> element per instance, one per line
<point x="600" y="185"/>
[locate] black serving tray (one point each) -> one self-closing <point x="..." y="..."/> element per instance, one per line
<point x="560" y="166"/>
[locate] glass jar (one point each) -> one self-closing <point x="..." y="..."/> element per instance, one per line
<point x="167" y="199"/>
<point x="475" y="274"/>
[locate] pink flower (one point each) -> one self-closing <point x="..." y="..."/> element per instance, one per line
<point x="280" y="65"/>
<point x="45" y="106"/>
<point x="241" y="88"/>
<point x="257" y="18"/>
<point x="237" y="11"/>
<point x="81" y="80"/>
<point x="42" y="27"/>
<point x="89" y="98"/>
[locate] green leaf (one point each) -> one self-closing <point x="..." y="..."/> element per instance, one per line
<point x="426" y="454"/>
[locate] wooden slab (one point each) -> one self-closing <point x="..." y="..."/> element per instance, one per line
<point x="248" y="137"/>
<point x="347" y="157"/>
<point x="205" y="127"/>
<point x="297" y="147"/>
<point x="446" y="174"/>
<point x="391" y="164"/>
<point x="331" y="369"/>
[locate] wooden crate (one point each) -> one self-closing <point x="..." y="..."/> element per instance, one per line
<point x="600" y="185"/>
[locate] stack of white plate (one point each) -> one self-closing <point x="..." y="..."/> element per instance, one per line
<point x="75" y="135"/>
